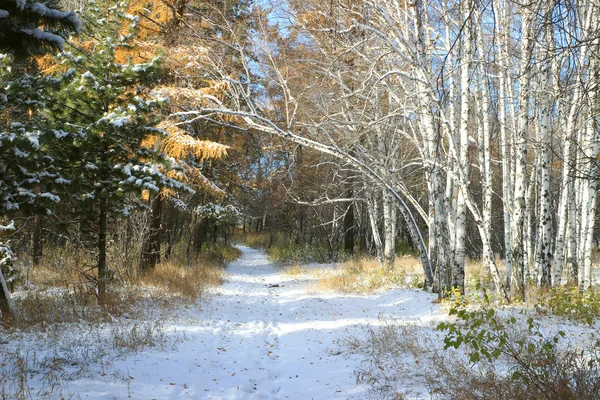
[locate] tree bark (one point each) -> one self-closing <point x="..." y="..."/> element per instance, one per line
<point x="102" y="272"/>
<point x="6" y="313"/>
<point x="151" y="248"/>
<point x="458" y="268"/>
<point x="517" y="283"/>
<point x="349" y="223"/>
<point x="373" y="215"/>
<point x="389" y="229"/>
<point x="36" y="250"/>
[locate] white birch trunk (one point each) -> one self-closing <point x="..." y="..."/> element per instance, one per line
<point x="458" y="270"/>
<point x="566" y="204"/>
<point x="484" y="147"/>
<point x="544" y="240"/>
<point x="373" y="215"/>
<point x="517" y="283"/>
<point x="501" y="20"/>
<point x="389" y="228"/>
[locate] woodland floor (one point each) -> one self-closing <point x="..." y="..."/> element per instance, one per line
<point x="262" y="335"/>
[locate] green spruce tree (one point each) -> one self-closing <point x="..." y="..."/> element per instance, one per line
<point x="34" y="27"/>
<point x="103" y="102"/>
<point x="26" y="28"/>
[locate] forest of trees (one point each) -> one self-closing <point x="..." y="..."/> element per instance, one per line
<point x="457" y="129"/>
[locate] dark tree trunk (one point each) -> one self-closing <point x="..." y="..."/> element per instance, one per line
<point x="102" y="273"/>
<point x="349" y="225"/>
<point x="172" y="223"/>
<point x="199" y="235"/>
<point x="36" y="246"/>
<point x="36" y="237"/>
<point x="298" y="234"/>
<point x="169" y="245"/>
<point x="190" y="240"/>
<point x="151" y="248"/>
<point x="5" y="308"/>
<point x="362" y="234"/>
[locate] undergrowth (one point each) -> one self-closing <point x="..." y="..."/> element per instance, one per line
<point x="283" y="249"/>
<point x="485" y="352"/>
<point x="62" y="354"/>
<point x="56" y="306"/>
<point x="571" y="303"/>
<point x="368" y="276"/>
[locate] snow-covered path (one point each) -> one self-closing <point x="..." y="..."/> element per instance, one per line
<point x="263" y="336"/>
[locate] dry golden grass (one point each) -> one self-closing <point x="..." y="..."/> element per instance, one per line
<point x="364" y="276"/>
<point x="476" y="272"/>
<point x="73" y="304"/>
<point x="63" y="288"/>
<point x="296" y="270"/>
<point x="257" y="240"/>
<point x="188" y="282"/>
<point x="367" y="275"/>
<point x="40" y="275"/>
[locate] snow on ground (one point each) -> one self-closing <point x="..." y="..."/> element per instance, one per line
<point x="262" y="335"/>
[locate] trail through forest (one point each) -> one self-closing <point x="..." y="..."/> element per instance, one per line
<point x="263" y="335"/>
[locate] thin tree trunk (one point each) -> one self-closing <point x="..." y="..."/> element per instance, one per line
<point x="6" y="313"/>
<point x="372" y="204"/>
<point x="544" y="247"/>
<point x="389" y="223"/>
<point x="517" y="284"/>
<point x="485" y="153"/>
<point x="102" y="272"/>
<point x="151" y="248"/>
<point x="36" y="250"/>
<point x="458" y="270"/>
<point x="349" y="223"/>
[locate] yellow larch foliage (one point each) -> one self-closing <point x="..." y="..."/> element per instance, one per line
<point x="154" y="15"/>
<point x="178" y="144"/>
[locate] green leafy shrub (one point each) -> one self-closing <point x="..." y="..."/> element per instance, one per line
<point x="576" y="305"/>
<point x="538" y="367"/>
<point x="488" y="335"/>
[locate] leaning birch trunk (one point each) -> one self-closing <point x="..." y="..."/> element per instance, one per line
<point x="432" y="137"/>
<point x="6" y="314"/>
<point x="372" y="211"/>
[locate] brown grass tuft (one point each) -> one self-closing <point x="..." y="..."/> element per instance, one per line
<point x="188" y="282"/>
<point x="364" y="276"/>
<point x="295" y="270"/>
<point x="256" y="240"/>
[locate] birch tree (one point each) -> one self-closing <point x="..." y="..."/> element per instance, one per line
<point x="508" y="81"/>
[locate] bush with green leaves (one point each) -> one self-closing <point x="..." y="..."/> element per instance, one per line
<point x="537" y="365"/>
<point x="574" y="304"/>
